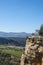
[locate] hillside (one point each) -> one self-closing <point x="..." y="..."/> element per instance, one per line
<point x="9" y="55"/>
<point x="12" y="41"/>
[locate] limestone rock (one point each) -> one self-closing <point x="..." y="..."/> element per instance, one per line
<point x="33" y="53"/>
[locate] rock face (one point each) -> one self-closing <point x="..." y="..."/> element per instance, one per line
<point x="33" y="51"/>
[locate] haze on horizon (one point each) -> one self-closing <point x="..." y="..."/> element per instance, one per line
<point x="21" y="15"/>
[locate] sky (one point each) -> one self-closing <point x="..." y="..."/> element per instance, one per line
<point x="21" y="15"/>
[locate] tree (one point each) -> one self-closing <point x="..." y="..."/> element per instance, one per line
<point x="32" y="33"/>
<point x="41" y="30"/>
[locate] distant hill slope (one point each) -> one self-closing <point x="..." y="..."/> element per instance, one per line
<point x="11" y="38"/>
<point x="12" y="34"/>
<point x="17" y="41"/>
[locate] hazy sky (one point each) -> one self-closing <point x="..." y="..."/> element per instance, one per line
<point x="21" y="15"/>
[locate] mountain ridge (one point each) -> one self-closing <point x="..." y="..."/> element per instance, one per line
<point x="14" y="34"/>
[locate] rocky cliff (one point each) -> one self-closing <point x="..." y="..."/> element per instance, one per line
<point x="33" y="51"/>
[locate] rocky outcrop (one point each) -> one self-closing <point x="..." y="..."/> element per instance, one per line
<point x="33" y="51"/>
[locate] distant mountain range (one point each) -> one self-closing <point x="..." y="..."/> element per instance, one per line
<point x="12" y="34"/>
<point x="17" y="39"/>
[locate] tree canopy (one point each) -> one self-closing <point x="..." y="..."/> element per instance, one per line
<point x="41" y="30"/>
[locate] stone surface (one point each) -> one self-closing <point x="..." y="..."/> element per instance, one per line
<point x="33" y="53"/>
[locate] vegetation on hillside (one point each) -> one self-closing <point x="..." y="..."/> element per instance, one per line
<point x="12" y="41"/>
<point x="10" y="56"/>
